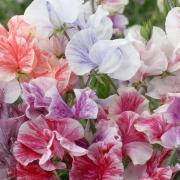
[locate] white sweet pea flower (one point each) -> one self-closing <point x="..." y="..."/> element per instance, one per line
<point x="117" y="58"/>
<point x="153" y="52"/>
<point x="173" y="26"/>
<point x="101" y="23"/>
<point x="50" y="15"/>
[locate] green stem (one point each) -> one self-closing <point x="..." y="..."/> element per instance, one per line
<point x="82" y="84"/>
<point x="112" y="83"/>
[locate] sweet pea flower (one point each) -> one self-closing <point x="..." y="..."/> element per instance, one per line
<point x="33" y="171"/>
<point x="8" y="134"/>
<point x="172" y="26"/>
<point x="103" y="161"/>
<point x="170" y="110"/>
<point x="119" y="23"/>
<point x="171" y="138"/>
<point x="152" y="52"/>
<point x="16" y="50"/>
<point x="6" y="93"/>
<point x="101" y="23"/>
<point x="131" y="138"/>
<point x="117" y="58"/>
<point x="42" y="98"/>
<point x="128" y="99"/>
<point x="158" y="87"/>
<point x="153" y="169"/>
<point x="85" y="106"/>
<point x="153" y="127"/>
<point x="50" y="15"/>
<point x="44" y="140"/>
<point x="64" y="76"/>
<point x="19" y="53"/>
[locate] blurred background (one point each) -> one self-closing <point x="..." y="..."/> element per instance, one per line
<point x="137" y="11"/>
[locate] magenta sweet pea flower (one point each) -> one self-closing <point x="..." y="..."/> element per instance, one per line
<point x="33" y="171"/>
<point x="103" y="161"/>
<point x="131" y="138"/>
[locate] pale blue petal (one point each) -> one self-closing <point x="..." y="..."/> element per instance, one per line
<point x="77" y="51"/>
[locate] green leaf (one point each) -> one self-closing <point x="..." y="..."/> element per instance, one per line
<point x="101" y="85"/>
<point x="153" y="103"/>
<point x="83" y="122"/>
<point x="174" y="159"/>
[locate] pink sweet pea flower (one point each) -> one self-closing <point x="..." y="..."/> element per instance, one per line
<point x="153" y="54"/>
<point x="171" y="138"/>
<point x="44" y="140"/>
<point x="66" y="79"/>
<point x="16" y="49"/>
<point x="103" y="161"/>
<point x="128" y="100"/>
<point x="152" y="170"/>
<point x="19" y="53"/>
<point x="158" y="87"/>
<point x="134" y="142"/>
<point x="153" y="127"/>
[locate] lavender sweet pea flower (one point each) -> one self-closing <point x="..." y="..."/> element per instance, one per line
<point x="85" y="106"/>
<point x="42" y="98"/>
<point x="170" y="110"/>
<point x="117" y="58"/>
<point x="119" y="23"/>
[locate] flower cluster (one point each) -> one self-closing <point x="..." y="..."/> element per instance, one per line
<point x="78" y="102"/>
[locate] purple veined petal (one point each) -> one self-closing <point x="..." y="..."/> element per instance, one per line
<point x="105" y="54"/>
<point x="85" y="107"/>
<point x="77" y="51"/>
<point x="10" y="91"/>
<point x="101" y="23"/>
<point x="58" y="109"/>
